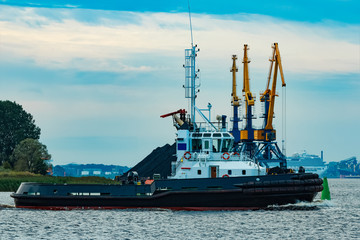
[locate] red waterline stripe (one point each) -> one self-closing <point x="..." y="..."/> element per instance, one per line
<point x="59" y="208"/>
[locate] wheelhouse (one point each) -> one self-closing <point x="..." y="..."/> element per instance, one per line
<point x="208" y="142"/>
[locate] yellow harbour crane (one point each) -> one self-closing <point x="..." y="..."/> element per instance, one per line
<point x="268" y="133"/>
<point x="268" y="148"/>
<point x="247" y="147"/>
<point x="247" y="134"/>
<point x="235" y="103"/>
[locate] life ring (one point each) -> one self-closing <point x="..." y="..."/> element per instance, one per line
<point x="225" y="175"/>
<point x="236" y="153"/>
<point x="225" y="158"/>
<point x="187" y="155"/>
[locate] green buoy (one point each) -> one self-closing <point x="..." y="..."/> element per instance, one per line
<point x="325" y="194"/>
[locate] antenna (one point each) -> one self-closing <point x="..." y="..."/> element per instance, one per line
<point x="191" y="74"/>
<point x="192" y="42"/>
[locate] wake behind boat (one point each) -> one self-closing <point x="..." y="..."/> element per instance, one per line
<point x="214" y="169"/>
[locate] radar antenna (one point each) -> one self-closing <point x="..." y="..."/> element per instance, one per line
<point x="192" y="42"/>
<point x="191" y="75"/>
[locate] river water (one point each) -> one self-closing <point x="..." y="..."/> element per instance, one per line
<point x="335" y="219"/>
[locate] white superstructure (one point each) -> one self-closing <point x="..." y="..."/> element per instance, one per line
<point x="205" y="150"/>
<point x="209" y="155"/>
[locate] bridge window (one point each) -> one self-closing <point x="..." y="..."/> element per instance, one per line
<point x="226" y="145"/>
<point x="207" y="145"/>
<point x="196" y="145"/>
<point x="216" y="145"/>
<point x="197" y="135"/>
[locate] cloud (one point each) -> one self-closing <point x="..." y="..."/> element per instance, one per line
<point x="63" y="41"/>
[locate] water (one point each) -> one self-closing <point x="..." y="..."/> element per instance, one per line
<point x="335" y="219"/>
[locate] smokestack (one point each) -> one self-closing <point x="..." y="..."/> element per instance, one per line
<point x="223" y="122"/>
<point x="322" y="155"/>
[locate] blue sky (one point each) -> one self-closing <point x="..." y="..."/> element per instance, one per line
<point x="311" y="11"/>
<point x="97" y="75"/>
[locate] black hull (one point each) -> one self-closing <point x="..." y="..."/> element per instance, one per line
<point x="184" y="200"/>
<point x="239" y="195"/>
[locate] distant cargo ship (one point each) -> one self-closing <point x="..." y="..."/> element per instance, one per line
<point x="311" y="163"/>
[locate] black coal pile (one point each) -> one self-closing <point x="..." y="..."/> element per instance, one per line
<point x="158" y="161"/>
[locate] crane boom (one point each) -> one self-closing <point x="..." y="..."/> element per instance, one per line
<point x="268" y="96"/>
<point x="247" y="134"/>
<point x="235" y="103"/>
<point x="268" y="150"/>
<point x="246" y="86"/>
<point x="234" y="69"/>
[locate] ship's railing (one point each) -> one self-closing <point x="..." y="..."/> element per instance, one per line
<point x="219" y="156"/>
<point x="205" y="127"/>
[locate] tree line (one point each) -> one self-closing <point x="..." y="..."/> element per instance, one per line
<point x="20" y="148"/>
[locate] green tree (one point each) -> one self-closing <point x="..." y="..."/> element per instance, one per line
<point x="15" y="125"/>
<point x="31" y="155"/>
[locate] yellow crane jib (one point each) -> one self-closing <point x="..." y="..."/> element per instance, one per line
<point x="246" y="86"/>
<point x="268" y="96"/>
<point x="247" y="134"/>
<point x="234" y="69"/>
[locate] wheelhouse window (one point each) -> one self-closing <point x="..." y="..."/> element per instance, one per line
<point x="216" y="145"/>
<point x="226" y="147"/>
<point x="196" y="145"/>
<point x="206" y="144"/>
<point x="197" y="135"/>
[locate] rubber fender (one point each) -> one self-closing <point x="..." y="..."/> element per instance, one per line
<point x="308" y="176"/>
<point x="319" y="181"/>
<point x="309" y="182"/>
<point x="313" y="188"/>
<point x="297" y="182"/>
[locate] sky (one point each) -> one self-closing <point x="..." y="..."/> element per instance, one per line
<point x="97" y="75"/>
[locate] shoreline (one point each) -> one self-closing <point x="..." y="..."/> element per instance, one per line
<point x="10" y="181"/>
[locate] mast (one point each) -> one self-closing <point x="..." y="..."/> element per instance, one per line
<point x="191" y="74"/>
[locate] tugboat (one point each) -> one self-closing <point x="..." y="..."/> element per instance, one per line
<point x="213" y="171"/>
